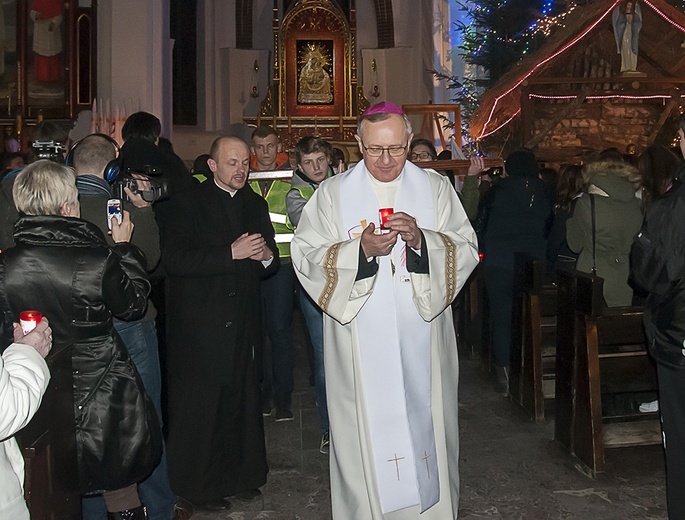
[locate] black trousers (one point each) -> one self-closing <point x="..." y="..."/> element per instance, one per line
<point x="672" y="407"/>
<point x="499" y="284"/>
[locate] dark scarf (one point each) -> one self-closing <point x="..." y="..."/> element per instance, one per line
<point x="90" y="185"/>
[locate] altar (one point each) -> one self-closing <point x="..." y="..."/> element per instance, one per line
<point x="314" y="86"/>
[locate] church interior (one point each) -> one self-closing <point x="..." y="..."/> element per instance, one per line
<point x="207" y="68"/>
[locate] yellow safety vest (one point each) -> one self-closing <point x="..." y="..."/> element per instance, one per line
<point x="275" y="198"/>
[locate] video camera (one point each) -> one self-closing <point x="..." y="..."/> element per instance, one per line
<point x="50" y="150"/>
<point x="129" y="178"/>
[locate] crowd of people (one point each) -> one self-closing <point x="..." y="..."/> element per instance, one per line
<point x="207" y="266"/>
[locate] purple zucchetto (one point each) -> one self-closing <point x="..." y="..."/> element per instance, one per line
<point x="384" y="107"/>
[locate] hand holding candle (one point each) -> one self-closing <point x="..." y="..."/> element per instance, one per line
<point x="377" y="244"/>
<point x="407" y="227"/>
<point x="29" y="319"/>
<point x="40" y="338"/>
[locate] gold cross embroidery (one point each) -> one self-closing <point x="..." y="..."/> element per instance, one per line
<point x="397" y="466"/>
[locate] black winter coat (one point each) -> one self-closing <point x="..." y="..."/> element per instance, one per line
<point x="657" y="265"/>
<point x="514" y="216"/>
<point x="213" y="315"/>
<point x="63" y="267"/>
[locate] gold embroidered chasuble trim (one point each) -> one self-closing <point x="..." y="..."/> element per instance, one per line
<point x="450" y="268"/>
<point x="331" y="271"/>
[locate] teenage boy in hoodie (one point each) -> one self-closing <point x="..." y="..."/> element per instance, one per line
<point x="313" y="157"/>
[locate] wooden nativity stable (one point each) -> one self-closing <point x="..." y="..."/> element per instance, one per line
<point x="569" y="97"/>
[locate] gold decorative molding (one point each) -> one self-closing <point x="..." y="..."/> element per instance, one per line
<point x="362" y="102"/>
<point x="266" y="107"/>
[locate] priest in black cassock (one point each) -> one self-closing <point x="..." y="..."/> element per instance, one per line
<point x="216" y="245"/>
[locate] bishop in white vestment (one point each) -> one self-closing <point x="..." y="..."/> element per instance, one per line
<point x="389" y="340"/>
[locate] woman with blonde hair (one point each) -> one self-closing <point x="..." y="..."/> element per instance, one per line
<point x="62" y="266"/>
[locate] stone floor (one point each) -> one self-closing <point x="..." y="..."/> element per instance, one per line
<point x="510" y="467"/>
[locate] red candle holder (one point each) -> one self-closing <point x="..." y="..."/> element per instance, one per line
<point x="29" y="319"/>
<point x="384" y="213"/>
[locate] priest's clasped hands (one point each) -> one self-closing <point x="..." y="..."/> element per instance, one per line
<point x="252" y="246"/>
<point x="399" y="224"/>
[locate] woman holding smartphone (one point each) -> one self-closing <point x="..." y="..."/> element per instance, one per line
<point x="62" y="266"/>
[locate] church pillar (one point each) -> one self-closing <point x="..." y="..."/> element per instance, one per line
<point x="134" y="56"/>
<point x="442" y="50"/>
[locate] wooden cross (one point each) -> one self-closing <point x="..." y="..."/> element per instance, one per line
<point x="397" y="466"/>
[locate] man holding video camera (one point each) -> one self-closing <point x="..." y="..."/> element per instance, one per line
<point x="140" y="152"/>
<point x="92" y="156"/>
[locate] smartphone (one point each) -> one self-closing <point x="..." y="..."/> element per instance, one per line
<point x="114" y="211"/>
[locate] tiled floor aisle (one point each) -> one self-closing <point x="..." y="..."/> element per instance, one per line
<point x="510" y="468"/>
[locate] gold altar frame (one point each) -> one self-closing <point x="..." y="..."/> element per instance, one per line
<point x="313" y="20"/>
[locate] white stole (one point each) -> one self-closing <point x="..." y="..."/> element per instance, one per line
<point x="394" y="342"/>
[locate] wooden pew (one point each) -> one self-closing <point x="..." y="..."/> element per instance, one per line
<point x="601" y="363"/>
<point x="532" y="372"/>
<point x="48" y="444"/>
<point x="470" y="316"/>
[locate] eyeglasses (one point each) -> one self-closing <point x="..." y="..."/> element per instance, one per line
<point x="423" y="156"/>
<point x="377" y="151"/>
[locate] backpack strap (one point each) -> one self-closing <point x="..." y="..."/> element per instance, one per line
<point x="594" y="235"/>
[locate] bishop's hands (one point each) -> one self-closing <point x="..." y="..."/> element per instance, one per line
<point x="252" y="246"/>
<point x="377" y="245"/>
<point x="406" y="226"/>
<point x="400" y="224"/>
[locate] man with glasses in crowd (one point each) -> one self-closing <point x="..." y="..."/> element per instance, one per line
<point x="383" y="249"/>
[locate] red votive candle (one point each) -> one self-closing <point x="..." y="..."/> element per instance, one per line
<point x="384" y="213"/>
<point x="29" y="319"/>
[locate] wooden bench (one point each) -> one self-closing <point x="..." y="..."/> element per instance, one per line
<point x="48" y="444"/>
<point x="602" y="373"/>
<point x="470" y="316"/>
<point x="532" y="373"/>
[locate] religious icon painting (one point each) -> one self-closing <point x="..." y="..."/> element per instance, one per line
<point x="46" y="67"/>
<point x="315" y="72"/>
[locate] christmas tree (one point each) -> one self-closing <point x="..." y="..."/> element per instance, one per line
<point x="497" y="35"/>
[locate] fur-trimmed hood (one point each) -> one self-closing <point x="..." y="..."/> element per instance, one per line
<point x="617" y="179"/>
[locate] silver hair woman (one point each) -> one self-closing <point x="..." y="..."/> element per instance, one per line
<point x="62" y="266"/>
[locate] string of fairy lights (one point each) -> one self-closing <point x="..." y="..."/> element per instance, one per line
<point x="481" y="36"/>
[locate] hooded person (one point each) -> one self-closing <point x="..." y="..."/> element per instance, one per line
<point x="612" y="185"/>
<point x="514" y="217"/>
